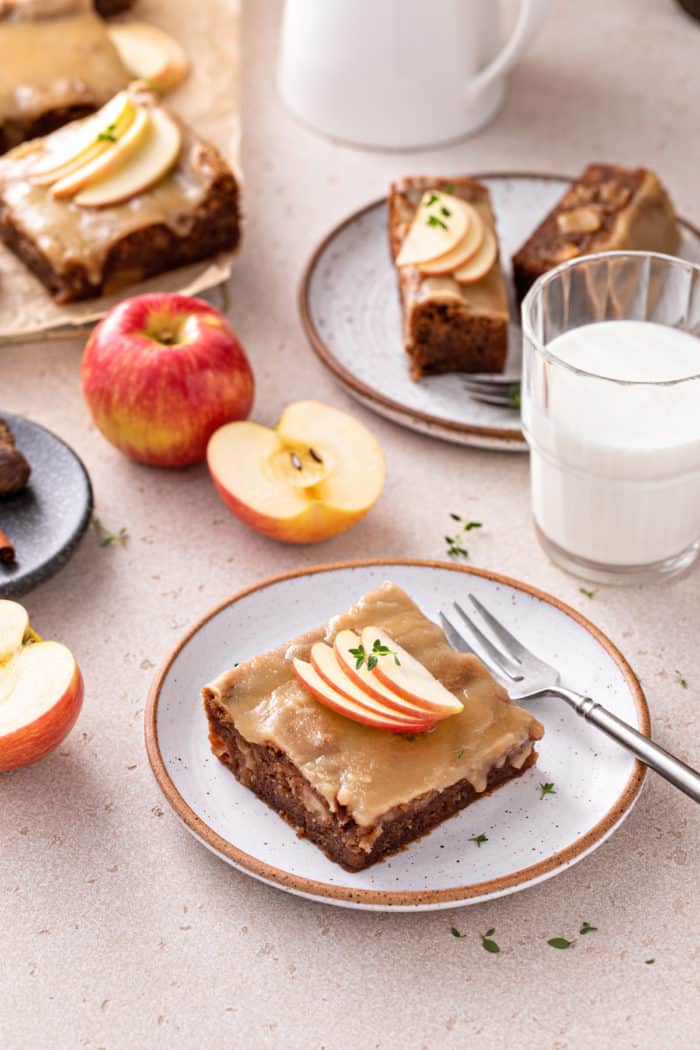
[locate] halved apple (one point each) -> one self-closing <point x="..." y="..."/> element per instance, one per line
<point x="108" y="160"/>
<point x="90" y="138"/>
<point x="156" y="154"/>
<point x="343" y="705"/>
<point x="326" y="663"/>
<point x="41" y="692"/>
<point x="480" y="263"/>
<point x="150" y="54"/>
<point x="312" y="477"/>
<point x="345" y="641"/>
<point x="438" y="226"/>
<point x="467" y="247"/>
<point x="408" y="677"/>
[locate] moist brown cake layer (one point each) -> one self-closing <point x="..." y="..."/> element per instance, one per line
<point x="144" y="253"/>
<point x="625" y="208"/>
<point x="448" y="327"/>
<point x="270" y="774"/>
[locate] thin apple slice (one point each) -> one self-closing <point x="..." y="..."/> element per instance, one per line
<point x="438" y="226"/>
<point x="409" y="677"/>
<point x="150" y="54"/>
<point x="118" y="154"/>
<point x="90" y="138"/>
<point x="480" y="264"/>
<point x="345" y="642"/>
<point x="155" y="156"/>
<point x="462" y="253"/>
<point x="14" y="623"/>
<point x="342" y="705"/>
<point x="326" y="663"/>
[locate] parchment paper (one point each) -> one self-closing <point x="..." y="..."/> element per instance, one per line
<point x="210" y="101"/>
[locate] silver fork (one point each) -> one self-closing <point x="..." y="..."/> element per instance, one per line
<point x="525" y="677"/>
<point x="494" y="389"/>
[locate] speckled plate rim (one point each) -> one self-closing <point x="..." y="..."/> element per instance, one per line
<point x="15" y="587"/>
<point x="497" y="438"/>
<point x="397" y="899"/>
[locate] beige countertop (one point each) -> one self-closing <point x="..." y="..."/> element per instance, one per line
<point x="117" y="929"/>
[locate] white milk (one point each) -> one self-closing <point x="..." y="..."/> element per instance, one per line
<point x="616" y="470"/>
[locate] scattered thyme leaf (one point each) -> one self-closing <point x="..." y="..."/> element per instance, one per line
<point x="648" y="962"/>
<point x="478" y="839"/>
<point x="432" y="199"/>
<point x="455" y="932"/>
<point x="108" y="134"/>
<point x="106" y="537"/>
<point x="445" y="211"/>
<point x="514" y="397"/>
<point x="433" y="220"/>
<point x="681" y="680"/>
<point x="472" y="525"/>
<point x="487" y="944"/>
<point x="587" y="928"/>
<point x="559" y="942"/>
<point x="547" y="789"/>
<point x="455" y="548"/>
<point x="589" y="594"/>
<point x="449" y="188"/>
<point x="460" y="752"/>
<point x="359" y="654"/>
<point x="371" y="662"/>
<point x="456" y="517"/>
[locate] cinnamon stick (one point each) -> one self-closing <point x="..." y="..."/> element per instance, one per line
<point x="7" y="550"/>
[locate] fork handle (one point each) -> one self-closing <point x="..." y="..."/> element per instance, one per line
<point x="670" y="767"/>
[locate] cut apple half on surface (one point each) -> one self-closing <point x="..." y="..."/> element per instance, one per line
<point x="41" y="691"/>
<point x="345" y="642"/>
<point x="155" y="155"/>
<point x="342" y="704"/>
<point x="109" y="160"/>
<point x="438" y="226"/>
<point x="92" y="137"/>
<point x="150" y="54"/>
<point x="480" y="263"/>
<point x="407" y="676"/>
<point x="14" y="624"/>
<point x="467" y="247"/>
<point x="316" y="474"/>
<point x="326" y="664"/>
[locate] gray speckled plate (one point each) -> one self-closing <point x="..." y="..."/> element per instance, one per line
<point x="350" y="309"/>
<point x="529" y="838"/>
<point x="47" y="518"/>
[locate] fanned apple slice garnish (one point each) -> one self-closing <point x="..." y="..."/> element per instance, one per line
<point x="461" y="253"/>
<point x="150" y="54"/>
<point x="438" y="226"/>
<point x="91" y="138"/>
<point x="118" y="154"/>
<point x="409" y="678"/>
<point x="154" y="158"/>
<point x="342" y="704"/>
<point x="480" y="263"/>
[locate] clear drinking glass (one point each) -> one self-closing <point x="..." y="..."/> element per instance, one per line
<point x="615" y="457"/>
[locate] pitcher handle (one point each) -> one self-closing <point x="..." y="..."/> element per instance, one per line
<point x="530" y="18"/>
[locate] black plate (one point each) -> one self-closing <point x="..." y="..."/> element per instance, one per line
<point x="47" y="518"/>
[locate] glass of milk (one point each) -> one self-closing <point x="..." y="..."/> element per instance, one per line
<point x="611" y="412"/>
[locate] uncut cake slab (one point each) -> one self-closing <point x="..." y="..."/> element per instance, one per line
<point x="207" y="100"/>
<point x="502" y="842"/>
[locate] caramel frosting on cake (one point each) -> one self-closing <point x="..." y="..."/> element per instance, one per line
<point x="365" y="771"/>
<point x="68" y="233"/>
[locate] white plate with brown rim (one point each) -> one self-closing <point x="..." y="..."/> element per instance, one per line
<point x="350" y="310"/>
<point x="530" y="837"/>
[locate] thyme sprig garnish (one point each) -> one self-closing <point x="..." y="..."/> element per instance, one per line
<point x="106" y="537"/>
<point x="108" y="134"/>
<point x="455" y="549"/>
<point x="547" y="789"/>
<point x="681" y="680"/>
<point x="589" y="594"/>
<point x="487" y="944"/>
<point x="372" y="657"/>
<point x="434" y="220"/>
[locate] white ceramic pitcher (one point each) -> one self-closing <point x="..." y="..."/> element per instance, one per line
<point x="398" y="74"/>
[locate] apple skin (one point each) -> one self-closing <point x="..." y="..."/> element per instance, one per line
<point x="34" y="741"/>
<point x="160" y="373"/>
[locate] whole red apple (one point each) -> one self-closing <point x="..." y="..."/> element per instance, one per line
<point x="160" y="373"/>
